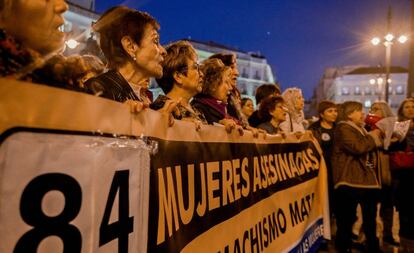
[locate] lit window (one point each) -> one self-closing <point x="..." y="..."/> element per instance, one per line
<point x="368" y="91"/>
<point x="400" y="90"/>
<point x="357" y="90"/>
<point x="345" y="91"/>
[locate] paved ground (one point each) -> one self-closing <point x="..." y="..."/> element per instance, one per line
<point x="386" y="248"/>
<point x="407" y="246"/>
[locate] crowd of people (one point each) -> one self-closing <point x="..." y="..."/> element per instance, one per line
<point x="361" y="171"/>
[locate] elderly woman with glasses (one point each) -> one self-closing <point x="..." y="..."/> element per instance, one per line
<point x="181" y="81"/>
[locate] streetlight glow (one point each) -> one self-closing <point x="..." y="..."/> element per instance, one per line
<point x="375" y="41"/>
<point x="389" y="37"/>
<point x="380" y="80"/>
<point x="72" y="43"/>
<point x="402" y="39"/>
<point x="372" y="81"/>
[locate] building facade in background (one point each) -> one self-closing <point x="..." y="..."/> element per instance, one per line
<point x="366" y="85"/>
<point x="321" y="90"/>
<point x="359" y="83"/>
<point x="253" y="68"/>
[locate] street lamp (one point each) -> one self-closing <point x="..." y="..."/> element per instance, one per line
<point x="388" y="41"/>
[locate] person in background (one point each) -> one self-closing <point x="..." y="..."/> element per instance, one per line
<point x="378" y="111"/>
<point x="405" y="177"/>
<point x="273" y="111"/>
<point x="262" y="92"/>
<point x="234" y="102"/>
<point x="212" y="101"/>
<point x="323" y="130"/>
<point x="29" y="35"/>
<point x="71" y="72"/>
<point x="234" y="97"/>
<point x="181" y="81"/>
<point x="130" y="42"/>
<point x="247" y="107"/>
<point x="93" y="66"/>
<point x="355" y="176"/>
<point x="295" y="118"/>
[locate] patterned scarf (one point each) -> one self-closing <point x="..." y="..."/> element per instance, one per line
<point x="16" y="61"/>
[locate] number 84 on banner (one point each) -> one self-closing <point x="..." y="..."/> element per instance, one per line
<point x="44" y="226"/>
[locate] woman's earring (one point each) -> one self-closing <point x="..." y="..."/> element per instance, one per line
<point x="134" y="58"/>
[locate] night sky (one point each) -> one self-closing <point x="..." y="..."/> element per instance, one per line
<point x="299" y="38"/>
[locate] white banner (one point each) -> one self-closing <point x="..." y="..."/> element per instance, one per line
<point x="72" y="193"/>
<point x="69" y="183"/>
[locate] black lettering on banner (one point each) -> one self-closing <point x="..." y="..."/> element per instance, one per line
<point x="43" y="225"/>
<point x="125" y="225"/>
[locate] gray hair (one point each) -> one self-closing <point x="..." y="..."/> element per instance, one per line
<point x="385" y="108"/>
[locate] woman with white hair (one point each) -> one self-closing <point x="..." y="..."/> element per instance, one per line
<point x="295" y="118"/>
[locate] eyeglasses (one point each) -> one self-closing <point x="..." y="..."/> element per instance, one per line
<point x="195" y="66"/>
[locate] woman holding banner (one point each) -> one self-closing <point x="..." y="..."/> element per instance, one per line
<point x="130" y="42"/>
<point x="212" y="101"/>
<point x="181" y="81"/>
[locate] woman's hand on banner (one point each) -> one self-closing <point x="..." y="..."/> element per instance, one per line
<point x="197" y="123"/>
<point x="230" y="125"/>
<point x="169" y="108"/>
<point x="136" y="106"/>
<point x="256" y="132"/>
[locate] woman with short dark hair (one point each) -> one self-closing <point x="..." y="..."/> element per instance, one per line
<point x="272" y="110"/>
<point x="247" y="107"/>
<point x="130" y="42"/>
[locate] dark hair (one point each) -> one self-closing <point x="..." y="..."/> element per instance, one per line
<point x="267" y="106"/>
<point x="227" y="59"/>
<point x="347" y="108"/>
<point x="324" y="105"/>
<point x="401" y="116"/>
<point x="265" y="90"/>
<point x="244" y="101"/>
<point x="116" y="23"/>
<point x="178" y="53"/>
<point x="213" y="70"/>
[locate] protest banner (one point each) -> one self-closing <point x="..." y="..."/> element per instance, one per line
<point x="75" y="175"/>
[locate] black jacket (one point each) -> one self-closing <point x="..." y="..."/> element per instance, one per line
<point x="111" y="85"/>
